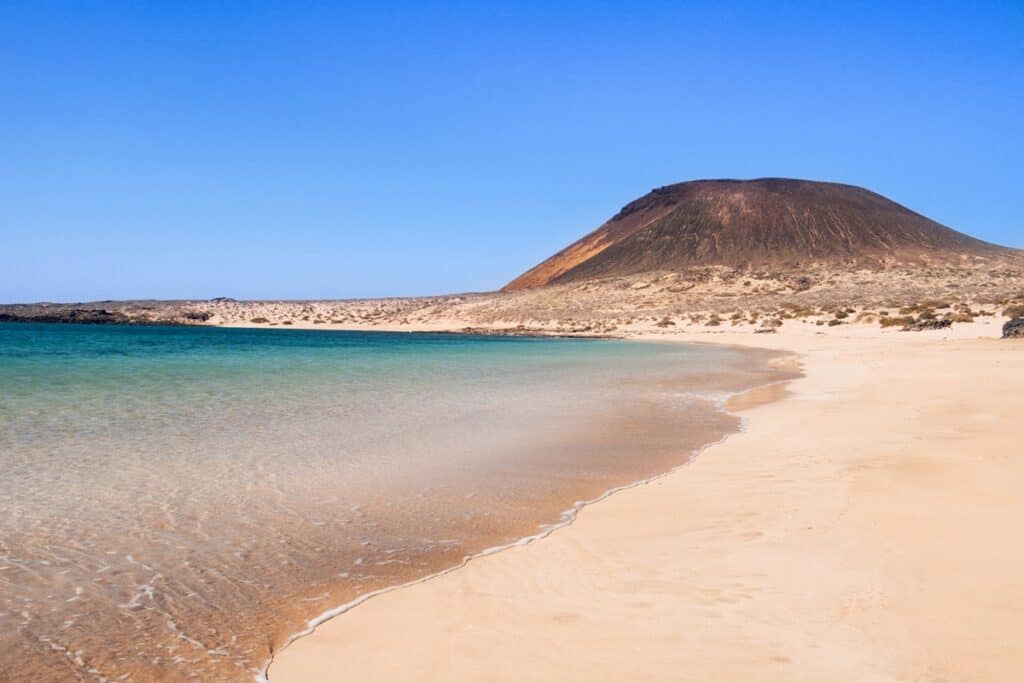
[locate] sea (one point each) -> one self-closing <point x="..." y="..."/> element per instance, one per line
<point x="178" y="503"/>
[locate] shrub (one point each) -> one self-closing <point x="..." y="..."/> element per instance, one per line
<point x="259" y="321"/>
<point x="896" y="321"/>
<point x="1015" y="311"/>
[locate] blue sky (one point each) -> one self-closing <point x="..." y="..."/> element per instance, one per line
<point x="306" y="149"/>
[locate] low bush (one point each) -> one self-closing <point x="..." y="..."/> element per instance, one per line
<point x="896" y="321"/>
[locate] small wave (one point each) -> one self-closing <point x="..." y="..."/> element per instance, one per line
<point x="719" y="399"/>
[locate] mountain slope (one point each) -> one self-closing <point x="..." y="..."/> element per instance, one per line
<point x="769" y="221"/>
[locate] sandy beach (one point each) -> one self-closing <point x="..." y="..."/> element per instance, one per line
<point x="861" y="528"/>
<point x="525" y="343"/>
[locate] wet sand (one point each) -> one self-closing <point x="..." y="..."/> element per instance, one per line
<point x="862" y="528"/>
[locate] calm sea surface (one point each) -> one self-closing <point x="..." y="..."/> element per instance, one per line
<point x="175" y="502"/>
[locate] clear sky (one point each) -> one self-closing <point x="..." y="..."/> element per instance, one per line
<point x="315" y="149"/>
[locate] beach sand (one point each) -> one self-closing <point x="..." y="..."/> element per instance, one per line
<point x="863" y="528"/>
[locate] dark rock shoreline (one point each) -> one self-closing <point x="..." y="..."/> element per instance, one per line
<point x="93" y="316"/>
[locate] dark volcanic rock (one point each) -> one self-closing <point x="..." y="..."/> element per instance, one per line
<point x="1014" y="328"/>
<point x="44" y="313"/>
<point x="73" y="315"/>
<point x="928" y="324"/>
<point x="774" y="222"/>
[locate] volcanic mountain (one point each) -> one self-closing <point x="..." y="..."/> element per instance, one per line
<point x="770" y="221"/>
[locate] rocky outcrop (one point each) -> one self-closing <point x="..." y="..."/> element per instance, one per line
<point x="63" y="313"/>
<point x="1014" y="328"/>
<point x="928" y="324"/>
<point x="74" y="315"/>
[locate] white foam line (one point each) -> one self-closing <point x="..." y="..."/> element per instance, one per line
<point x="566" y="518"/>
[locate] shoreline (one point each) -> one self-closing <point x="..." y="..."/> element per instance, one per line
<point x="789" y="363"/>
<point x="359" y="640"/>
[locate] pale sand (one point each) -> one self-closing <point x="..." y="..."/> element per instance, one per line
<point x="866" y="527"/>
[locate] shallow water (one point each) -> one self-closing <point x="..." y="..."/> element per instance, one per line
<point x="176" y="501"/>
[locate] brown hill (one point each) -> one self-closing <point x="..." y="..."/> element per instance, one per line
<point x="769" y="221"/>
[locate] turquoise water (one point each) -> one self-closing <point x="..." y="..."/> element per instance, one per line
<point x="176" y="501"/>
